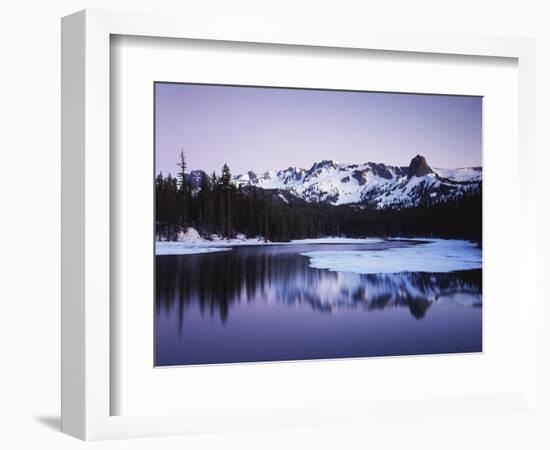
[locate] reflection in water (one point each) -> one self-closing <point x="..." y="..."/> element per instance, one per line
<point x="267" y="304"/>
<point x="218" y="281"/>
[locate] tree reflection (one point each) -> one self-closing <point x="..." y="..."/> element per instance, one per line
<point x="217" y="281"/>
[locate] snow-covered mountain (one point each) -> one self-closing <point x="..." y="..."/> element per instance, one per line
<point x="373" y="184"/>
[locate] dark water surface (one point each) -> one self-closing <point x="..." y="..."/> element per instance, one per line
<point x="265" y="303"/>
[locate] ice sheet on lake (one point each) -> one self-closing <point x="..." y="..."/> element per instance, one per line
<point x="437" y="255"/>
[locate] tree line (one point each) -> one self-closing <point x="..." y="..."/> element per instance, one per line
<point x="215" y="205"/>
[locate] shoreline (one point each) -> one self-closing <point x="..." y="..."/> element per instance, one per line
<point x="415" y="255"/>
<point x="200" y="246"/>
<point x="166" y="248"/>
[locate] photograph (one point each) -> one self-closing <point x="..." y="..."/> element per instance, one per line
<point x="298" y="224"/>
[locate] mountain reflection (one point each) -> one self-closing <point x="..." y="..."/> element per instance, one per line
<point x="219" y="281"/>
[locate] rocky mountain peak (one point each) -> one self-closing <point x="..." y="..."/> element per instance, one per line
<point x="372" y="184"/>
<point x="419" y="167"/>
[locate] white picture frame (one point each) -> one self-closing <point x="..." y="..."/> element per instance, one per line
<point x="86" y="216"/>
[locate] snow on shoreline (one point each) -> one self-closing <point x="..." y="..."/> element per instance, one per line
<point x="178" y="248"/>
<point x="221" y="245"/>
<point x="191" y="242"/>
<point x="196" y="246"/>
<point x="436" y="255"/>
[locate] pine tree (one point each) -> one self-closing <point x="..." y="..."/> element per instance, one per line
<point x="226" y="187"/>
<point x="181" y="175"/>
<point x="203" y="200"/>
<point x="226" y="177"/>
<point x="159" y="205"/>
<point x="183" y="191"/>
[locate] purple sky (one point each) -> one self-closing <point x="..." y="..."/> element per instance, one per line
<point x="263" y="129"/>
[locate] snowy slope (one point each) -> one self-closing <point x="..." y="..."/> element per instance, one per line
<point x="463" y="174"/>
<point x="370" y="183"/>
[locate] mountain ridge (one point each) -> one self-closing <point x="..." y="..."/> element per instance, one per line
<point x="372" y="184"/>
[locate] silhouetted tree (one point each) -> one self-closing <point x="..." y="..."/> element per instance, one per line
<point x="183" y="192"/>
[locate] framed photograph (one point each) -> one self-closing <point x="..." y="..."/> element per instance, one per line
<point x="319" y="258"/>
<point x="254" y="216"/>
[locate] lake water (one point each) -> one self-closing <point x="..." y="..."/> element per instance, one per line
<point x="265" y="303"/>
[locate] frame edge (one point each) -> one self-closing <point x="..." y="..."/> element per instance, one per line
<point x="73" y="117"/>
